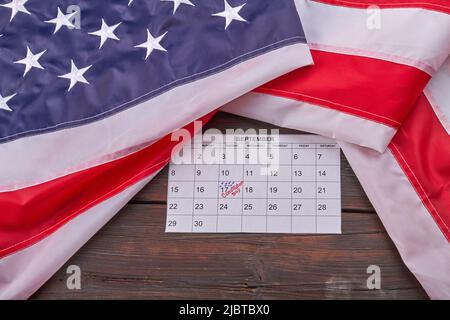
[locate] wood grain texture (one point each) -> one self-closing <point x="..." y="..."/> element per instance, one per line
<point x="133" y="258"/>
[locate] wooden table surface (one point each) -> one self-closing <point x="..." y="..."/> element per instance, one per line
<point x="133" y="258"/>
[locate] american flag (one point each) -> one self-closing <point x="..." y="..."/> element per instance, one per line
<point x="91" y="90"/>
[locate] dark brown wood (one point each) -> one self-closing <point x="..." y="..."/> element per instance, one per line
<point x="132" y="256"/>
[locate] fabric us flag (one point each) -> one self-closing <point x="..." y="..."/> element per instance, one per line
<point x="372" y="60"/>
<point x="412" y="197"/>
<point x="89" y="93"/>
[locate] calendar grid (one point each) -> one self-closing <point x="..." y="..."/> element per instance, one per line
<point x="292" y="209"/>
<point x="267" y="195"/>
<point x="254" y="215"/>
<point x="315" y="171"/>
<point x="301" y="194"/>
<point x="280" y="198"/>
<point x="218" y="197"/>
<point x="287" y="181"/>
<point x="242" y="207"/>
<point x="193" y="198"/>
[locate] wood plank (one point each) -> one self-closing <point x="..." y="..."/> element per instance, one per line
<point x="132" y="257"/>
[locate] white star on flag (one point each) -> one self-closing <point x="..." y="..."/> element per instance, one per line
<point x="230" y="14"/>
<point x="152" y="43"/>
<point x="75" y="75"/>
<point x="3" y="102"/>
<point x="62" y="20"/>
<point x="176" y="4"/>
<point x="31" y="60"/>
<point x="106" y="32"/>
<point x="16" y="6"/>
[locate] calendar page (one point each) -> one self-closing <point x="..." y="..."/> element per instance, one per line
<point x="255" y="184"/>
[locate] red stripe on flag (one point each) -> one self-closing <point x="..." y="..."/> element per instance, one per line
<point x="437" y="5"/>
<point x="422" y="148"/>
<point x="355" y="85"/>
<point x="28" y="215"/>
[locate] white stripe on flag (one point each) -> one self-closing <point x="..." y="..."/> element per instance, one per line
<point x="422" y="245"/>
<point x="411" y="36"/>
<point x="438" y="93"/>
<point x="25" y="271"/>
<point x="303" y="116"/>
